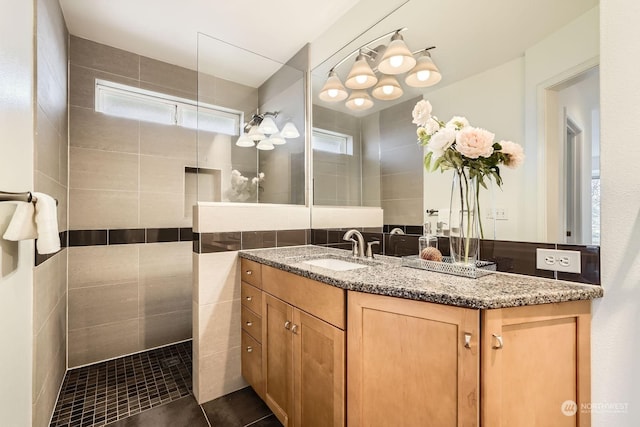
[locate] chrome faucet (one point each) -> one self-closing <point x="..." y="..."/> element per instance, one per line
<point x="358" y="245"/>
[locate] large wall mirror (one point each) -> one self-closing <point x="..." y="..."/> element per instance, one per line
<point x="251" y="127"/>
<point x="527" y="72"/>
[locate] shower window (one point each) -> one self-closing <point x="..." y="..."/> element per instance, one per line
<point x="134" y="103"/>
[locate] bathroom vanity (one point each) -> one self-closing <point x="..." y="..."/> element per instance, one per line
<point x="328" y="339"/>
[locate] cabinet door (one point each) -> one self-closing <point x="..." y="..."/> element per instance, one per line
<point x="277" y="357"/>
<point x="319" y="370"/>
<point x="535" y="363"/>
<point x="408" y="365"/>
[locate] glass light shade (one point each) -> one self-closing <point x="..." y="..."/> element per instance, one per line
<point x="359" y="100"/>
<point x="397" y="58"/>
<point x="361" y="75"/>
<point x="424" y="74"/>
<point x="290" y="130"/>
<point x="277" y="139"/>
<point x="268" y="125"/>
<point x="255" y="134"/>
<point x="333" y="89"/>
<point x="387" y="89"/>
<point x="245" y="141"/>
<point x="265" y="145"/>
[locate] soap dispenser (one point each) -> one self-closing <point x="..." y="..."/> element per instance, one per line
<point x="427" y="240"/>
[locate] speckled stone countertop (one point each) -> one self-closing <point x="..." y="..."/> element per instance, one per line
<point x="386" y="276"/>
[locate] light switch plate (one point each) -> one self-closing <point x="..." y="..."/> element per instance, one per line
<point x="555" y="260"/>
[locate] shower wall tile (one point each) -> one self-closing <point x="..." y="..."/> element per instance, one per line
<point x="105" y="58"/>
<point x="47" y="146"/>
<point x="168" y="75"/>
<point x="161" y="174"/>
<point x="403" y="185"/>
<point x="102" y="265"/>
<point x="165" y="329"/>
<point x="103" y="304"/>
<point x="219" y="329"/>
<point x="103" y="342"/>
<point x="402" y="211"/>
<point x="163" y="210"/>
<point x="89" y="129"/>
<point x="90" y="209"/>
<point x="168" y="141"/>
<point x="103" y="170"/>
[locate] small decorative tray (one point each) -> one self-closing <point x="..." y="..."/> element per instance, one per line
<point x="447" y="266"/>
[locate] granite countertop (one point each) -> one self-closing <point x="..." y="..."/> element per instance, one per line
<point x="386" y="276"/>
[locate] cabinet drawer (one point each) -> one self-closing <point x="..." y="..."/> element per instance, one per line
<point x="252" y="324"/>
<point x="323" y="301"/>
<point x="251" y="297"/>
<point x="252" y="363"/>
<point x="251" y="272"/>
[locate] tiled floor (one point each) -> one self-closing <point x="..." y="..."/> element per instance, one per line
<point x="104" y="392"/>
<point x="151" y="389"/>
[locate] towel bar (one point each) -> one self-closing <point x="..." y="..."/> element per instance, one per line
<point x="27" y="196"/>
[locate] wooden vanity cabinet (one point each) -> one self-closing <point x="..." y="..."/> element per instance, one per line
<point x="251" y="335"/>
<point x="414" y="363"/>
<point x="303" y="350"/>
<point x="411" y="363"/>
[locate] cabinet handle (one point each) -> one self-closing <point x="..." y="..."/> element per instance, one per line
<point x="249" y="349"/>
<point x="500" y="344"/>
<point x="249" y="323"/>
<point x="287" y="325"/>
<point x="249" y="298"/>
<point x="294" y="329"/>
<point x="249" y="272"/>
<point x="467" y="340"/>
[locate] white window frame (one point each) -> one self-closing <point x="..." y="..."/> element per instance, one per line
<point x="180" y="105"/>
<point x="346" y="147"/>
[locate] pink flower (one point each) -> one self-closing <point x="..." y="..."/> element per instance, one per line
<point x="474" y="142"/>
<point x="513" y="152"/>
<point x="421" y="113"/>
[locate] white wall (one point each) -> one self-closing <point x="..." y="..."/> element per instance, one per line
<point x="492" y="100"/>
<point x="616" y="318"/>
<point x="16" y="174"/>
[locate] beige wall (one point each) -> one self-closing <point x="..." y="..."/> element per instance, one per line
<point x="51" y="162"/>
<point x="16" y="174"/>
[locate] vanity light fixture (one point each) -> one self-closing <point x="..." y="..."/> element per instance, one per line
<point x="378" y="69"/>
<point x="263" y="133"/>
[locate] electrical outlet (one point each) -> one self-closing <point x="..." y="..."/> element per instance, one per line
<point x="555" y="260"/>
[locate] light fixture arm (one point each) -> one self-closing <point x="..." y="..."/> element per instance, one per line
<point x="423" y="50"/>
<point x="366" y="46"/>
<point x="257" y="118"/>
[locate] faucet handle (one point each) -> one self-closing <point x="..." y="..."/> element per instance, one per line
<point x="369" y="245"/>
<point x="354" y="246"/>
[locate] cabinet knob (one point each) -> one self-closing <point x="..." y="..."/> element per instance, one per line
<point x="287" y="325"/>
<point x="249" y="272"/>
<point x="467" y="340"/>
<point x="294" y="329"/>
<point x="249" y="349"/>
<point x="249" y="298"/>
<point x="249" y="323"/>
<point x="499" y="343"/>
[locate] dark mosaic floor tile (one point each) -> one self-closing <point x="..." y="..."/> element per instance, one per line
<point x="116" y="389"/>
<point x="184" y="412"/>
<point x="236" y="409"/>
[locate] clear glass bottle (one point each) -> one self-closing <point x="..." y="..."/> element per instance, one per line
<point x="427" y="239"/>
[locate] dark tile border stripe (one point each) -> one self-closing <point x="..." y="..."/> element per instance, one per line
<point x="204" y="243"/>
<point x="128" y="236"/>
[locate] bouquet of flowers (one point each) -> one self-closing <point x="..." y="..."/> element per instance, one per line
<point x="475" y="157"/>
<point x="242" y="189"/>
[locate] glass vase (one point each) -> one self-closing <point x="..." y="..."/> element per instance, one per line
<point x="464" y="234"/>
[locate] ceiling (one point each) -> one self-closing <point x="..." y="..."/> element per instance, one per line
<point x="470" y="36"/>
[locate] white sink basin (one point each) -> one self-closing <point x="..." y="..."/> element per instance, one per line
<point x="334" y="264"/>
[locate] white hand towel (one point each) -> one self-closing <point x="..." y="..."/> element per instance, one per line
<point x="22" y="225"/>
<point x="47" y="224"/>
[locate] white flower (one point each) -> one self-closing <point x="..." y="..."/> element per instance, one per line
<point x="474" y="142"/>
<point x="421" y="113"/>
<point x="457" y="123"/>
<point x="440" y="141"/>
<point x="261" y="175"/>
<point x="432" y="126"/>
<point x="513" y="152"/>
